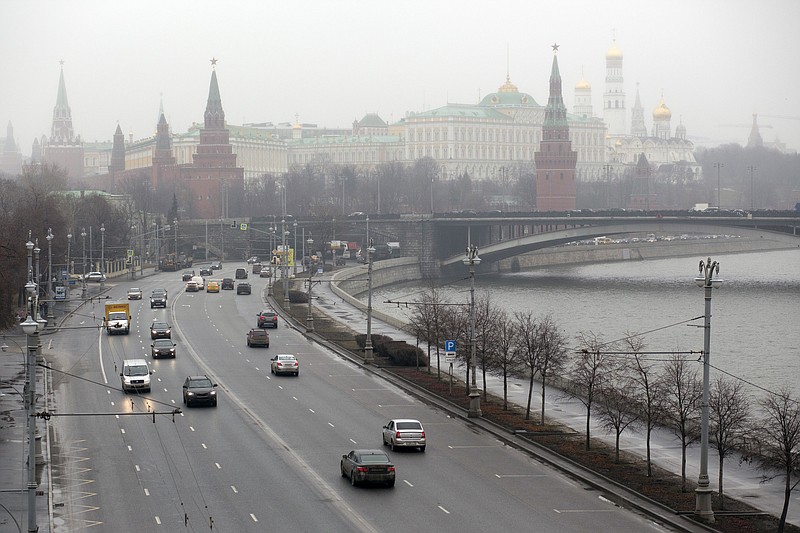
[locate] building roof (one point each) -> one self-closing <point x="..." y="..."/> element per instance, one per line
<point x="461" y="110"/>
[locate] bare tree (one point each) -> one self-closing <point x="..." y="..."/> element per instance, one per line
<point x="617" y="411"/>
<point x="683" y="393"/>
<point x="554" y="353"/>
<point x="779" y="438"/>
<point x="588" y="372"/>
<point x="426" y="319"/>
<point x="730" y="411"/>
<point x="649" y="396"/>
<point x="529" y="350"/>
<point x="505" y="357"/>
<point x="485" y="332"/>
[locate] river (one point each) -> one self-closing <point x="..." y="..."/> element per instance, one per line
<point x="755" y="331"/>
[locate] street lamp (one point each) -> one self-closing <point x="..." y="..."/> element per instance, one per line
<point x="707" y="281"/>
<point x="285" y="264"/>
<point x="368" y="344"/>
<point x="752" y="169"/>
<point x="83" y="284"/>
<point x="294" y="253"/>
<point x="31" y="329"/>
<point x="471" y="260"/>
<point x="310" y="317"/>
<point x="103" y="254"/>
<point x="175" y="223"/>
<point x="69" y="245"/>
<point x="270" y="265"/>
<point x="718" y="166"/>
<point x="51" y="304"/>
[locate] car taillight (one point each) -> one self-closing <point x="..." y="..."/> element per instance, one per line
<point x="362" y="469"/>
<point x="391" y="469"/>
<point x="280" y="364"/>
<point x="397" y="435"/>
<point x="423" y="434"/>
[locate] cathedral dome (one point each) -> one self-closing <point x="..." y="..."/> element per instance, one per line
<point x="583" y="84"/>
<point x="662" y="112"/>
<point x="614" y="52"/>
<point x="508" y="87"/>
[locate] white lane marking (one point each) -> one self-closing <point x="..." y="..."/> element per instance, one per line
<point x="137" y="468"/>
<point x="294" y="398"/>
<point x="112" y="405"/>
<point x="116" y="416"/>
<point x="407" y="483"/>
<point x="257" y="368"/>
<point x="122" y="430"/>
<point x="280" y="387"/>
<point x="476" y="446"/>
<point x="100" y="350"/>
<point x="519" y="475"/>
<point x="146" y="492"/>
<point x="108" y="392"/>
<point x="158" y="520"/>
<point x="234" y="490"/>
<point x="130" y="448"/>
<point x="312" y="410"/>
<point x="397" y="405"/>
<point x="203" y="444"/>
<point x="383" y="388"/>
<point x="563" y="511"/>
<point x="191" y="428"/>
<point x="253" y="517"/>
<point x="331" y="425"/>
<point x="443" y="509"/>
<point x="354" y="442"/>
<point x="218" y="466"/>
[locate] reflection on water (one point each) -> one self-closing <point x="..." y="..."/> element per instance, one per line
<point x="754" y="328"/>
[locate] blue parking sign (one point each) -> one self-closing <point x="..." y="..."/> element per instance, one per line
<point x="449" y="346"/>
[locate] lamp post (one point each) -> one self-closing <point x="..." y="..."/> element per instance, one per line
<point x="158" y="259"/>
<point x="103" y="254"/>
<point x="471" y="260"/>
<point x="132" y="253"/>
<point x="83" y="273"/>
<point x="175" y="225"/>
<point x="310" y="317"/>
<point x="51" y="303"/>
<point x="752" y="169"/>
<point x="718" y="166"/>
<point x="294" y="253"/>
<point x="285" y="264"/>
<point x="69" y="245"/>
<point x="368" y="356"/>
<point x="31" y="329"/>
<point x="707" y="281"/>
<point x="270" y="264"/>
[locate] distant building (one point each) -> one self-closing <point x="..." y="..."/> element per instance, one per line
<point x="63" y="147"/>
<point x="10" y="156"/>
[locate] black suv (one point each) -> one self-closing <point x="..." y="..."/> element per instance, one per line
<point x="162" y="348"/>
<point x="158" y="298"/>
<point x="227" y="284"/>
<point x="199" y="389"/>
<point x="243" y="288"/>
<point x="187" y="276"/>
<point x="206" y="272"/>
<point x="216" y="265"/>
<point x="267" y="319"/>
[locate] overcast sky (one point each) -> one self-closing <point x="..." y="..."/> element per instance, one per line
<point x="331" y="61"/>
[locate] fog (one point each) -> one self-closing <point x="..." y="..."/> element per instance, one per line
<point x="330" y="62"/>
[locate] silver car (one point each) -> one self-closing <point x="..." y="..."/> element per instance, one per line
<point x="134" y="294"/>
<point x="285" y="364"/>
<point x="404" y="432"/>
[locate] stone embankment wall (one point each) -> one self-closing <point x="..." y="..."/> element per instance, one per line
<point x="637" y="252"/>
<point x="353" y="281"/>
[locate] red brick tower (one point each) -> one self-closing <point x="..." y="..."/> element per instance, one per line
<point x="556" y="189"/>
<point x="63" y="148"/>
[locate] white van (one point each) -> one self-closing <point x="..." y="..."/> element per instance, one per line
<point x="135" y="375"/>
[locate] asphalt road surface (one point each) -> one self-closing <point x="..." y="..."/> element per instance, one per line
<point x="267" y="457"/>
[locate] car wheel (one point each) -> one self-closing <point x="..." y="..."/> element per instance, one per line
<point x="422" y="449"/>
<point x="352" y="478"/>
<point x="383" y="439"/>
<point x="214" y="404"/>
<point x="271" y="370"/>
<point x="391" y="484"/>
<point x="266" y="345"/>
<point x="392" y="446"/>
<point x="297" y="373"/>
<point x="184" y="400"/>
<point x="248" y="344"/>
<point x="341" y="469"/>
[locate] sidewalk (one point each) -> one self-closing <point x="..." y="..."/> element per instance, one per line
<point x="741" y="481"/>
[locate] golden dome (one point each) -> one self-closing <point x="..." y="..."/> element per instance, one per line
<point x="614" y="52"/>
<point x="583" y="84"/>
<point x="662" y="112"/>
<point x="508" y="87"/>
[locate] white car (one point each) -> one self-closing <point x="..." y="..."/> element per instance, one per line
<point x="404" y="432"/>
<point x="284" y="364"/>
<point x="134" y="293"/>
<point x="95" y="276"/>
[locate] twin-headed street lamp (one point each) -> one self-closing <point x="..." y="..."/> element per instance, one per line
<point x="50" y="298"/>
<point x="368" y="355"/>
<point x="310" y="317"/>
<point x="103" y="254"/>
<point x="472" y="260"/>
<point x="83" y="272"/>
<point x="707" y="281"/>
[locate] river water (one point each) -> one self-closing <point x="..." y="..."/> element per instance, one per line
<point x="755" y="325"/>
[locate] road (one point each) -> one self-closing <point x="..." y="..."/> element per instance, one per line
<point x="267" y="458"/>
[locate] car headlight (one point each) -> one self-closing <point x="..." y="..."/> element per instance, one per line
<point x="213" y="393"/>
<point x="190" y="393"/>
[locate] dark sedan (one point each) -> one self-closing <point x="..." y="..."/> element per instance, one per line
<point x="162" y="348"/>
<point x="367" y="466"/>
<point x="227" y="284"/>
<point x="160" y="330"/>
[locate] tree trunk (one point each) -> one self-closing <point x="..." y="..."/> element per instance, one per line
<point x="649" y="462"/>
<point x="616" y="449"/>
<point x="543" y="382"/>
<point x="787" y="495"/>
<point x="721" y="496"/>
<point x="683" y="464"/>
<point x="505" y="390"/>
<point x="530" y="394"/>
<point x="588" y="419"/>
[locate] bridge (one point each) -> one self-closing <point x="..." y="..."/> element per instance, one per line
<point x="439" y="240"/>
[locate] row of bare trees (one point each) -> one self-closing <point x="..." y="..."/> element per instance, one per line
<point x="621" y="383"/>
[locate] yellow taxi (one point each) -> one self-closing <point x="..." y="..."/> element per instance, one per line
<point x="212" y="286"/>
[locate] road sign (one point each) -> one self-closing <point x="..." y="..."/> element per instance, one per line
<point x="243" y="227"/>
<point x="449" y="346"/>
<point x="450" y="357"/>
<point x="130" y="253"/>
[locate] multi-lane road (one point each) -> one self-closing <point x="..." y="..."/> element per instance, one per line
<point x="267" y="457"/>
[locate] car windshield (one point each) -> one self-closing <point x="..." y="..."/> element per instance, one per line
<point x="158" y="292"/>
<point x="409" y="425"/>
<point x="163" y="343"/>
<point x="286" y="358"/>
<point x="258" y="333"/>
<point x="117" y="316"/>
<point x="136" y="370"/>
<point x="198" y="383"/>
<point x="374" y="458"/>
<point x="159" y="325"/>
<point x="135" y="290"/>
